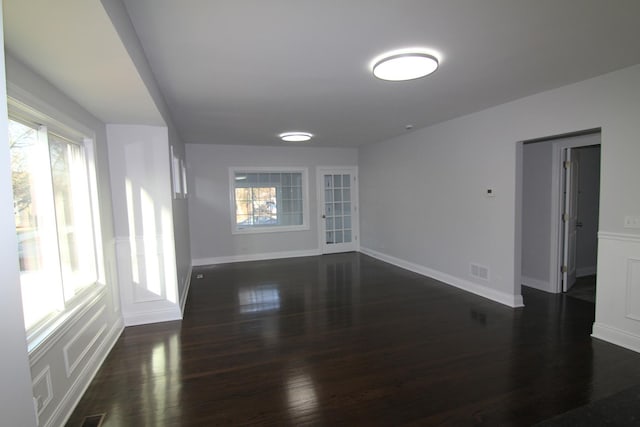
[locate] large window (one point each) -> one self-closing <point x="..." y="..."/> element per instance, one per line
<point x="53" y="193"/>
<point x="268" y="200"/>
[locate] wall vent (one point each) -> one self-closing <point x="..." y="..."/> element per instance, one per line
<point x="479" y="271"/>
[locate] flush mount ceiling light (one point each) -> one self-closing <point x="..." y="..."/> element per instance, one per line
<point x="404" y="64"/>
<point x="295" y="136"/>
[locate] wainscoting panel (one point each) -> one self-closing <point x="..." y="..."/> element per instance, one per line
<point x="83" y="340"/>
<point x="42" y="390"/>
<point x="633" y="289"/>
<point x="618" y="290"/>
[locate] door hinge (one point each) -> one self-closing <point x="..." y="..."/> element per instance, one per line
<point x="565" y="217"/>
<point x="566" y="164"/>
<point x="563" y="269"/>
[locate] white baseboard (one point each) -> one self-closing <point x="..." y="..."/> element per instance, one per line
<point x="255" y="257"/>
<point x="483" y="291"/>
<point x="72" y="397"/>
<point x="616" y="336"/>
<point x="185" y="293"/>
<point x="586" y="271"/>
<point x="541" y="285"/>
<point x="153" y="316"/>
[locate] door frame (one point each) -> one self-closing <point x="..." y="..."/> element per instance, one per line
<point x="355" y="202"/>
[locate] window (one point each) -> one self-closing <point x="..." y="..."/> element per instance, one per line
<point x="268" y="200"/>
<point x="53" y="199"/>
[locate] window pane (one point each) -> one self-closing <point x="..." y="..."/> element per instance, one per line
<point x="328" y="181"/>
<point x="337" y="181"/>
<point x="268" y="199"/>
<point x="73" y="215"/>
<point x="328" y="196"/>
<point x="40" y="277"/>
<point x="329" y="224"/>
<point x="346" y="181"/>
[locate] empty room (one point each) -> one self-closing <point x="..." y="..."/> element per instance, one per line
<point x="320" y="213"/>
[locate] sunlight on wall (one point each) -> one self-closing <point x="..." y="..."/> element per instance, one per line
<point x="168" y="254"/>
<point x="135" y="268"/>
<point x="154" y="282"/>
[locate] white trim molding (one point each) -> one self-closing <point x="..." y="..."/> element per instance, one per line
<point x="74" y="393"/>
<point x="198" y="262"/>
<point x="616" y="336"/>
<point x="618" y="290"/>
<point x="510" y="300"/>
<point x="165" y="314"/>
<point x="620" y="237"/>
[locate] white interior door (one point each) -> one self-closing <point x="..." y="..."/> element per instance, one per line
<point x="570" y="217"/>
<point x="338" y="209"/>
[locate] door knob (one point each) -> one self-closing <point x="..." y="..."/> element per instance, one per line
<point x="579" y="224"/>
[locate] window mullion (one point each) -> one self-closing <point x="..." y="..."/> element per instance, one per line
<point x="47" y="217"/>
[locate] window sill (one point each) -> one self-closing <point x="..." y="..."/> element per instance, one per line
<point x="269" y="229"/>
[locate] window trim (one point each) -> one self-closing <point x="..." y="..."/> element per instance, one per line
<point x="54" y="326"/>
<point x="272" y="228"/>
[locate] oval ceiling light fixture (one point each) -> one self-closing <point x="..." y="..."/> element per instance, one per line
<point x="405" y="64"/>
<point x="295" y="136"/>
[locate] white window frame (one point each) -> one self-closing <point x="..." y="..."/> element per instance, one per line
<point x="53" y="327"/>
<point x="270" y="228"/>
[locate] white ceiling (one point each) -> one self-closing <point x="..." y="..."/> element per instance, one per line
<point x="242" y="71"/>
<point x="72" y="44"/>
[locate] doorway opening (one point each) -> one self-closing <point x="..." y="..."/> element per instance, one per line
<point x="560" y="213"/>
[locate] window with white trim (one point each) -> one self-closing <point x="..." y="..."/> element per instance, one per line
<point x="268" y="199"/>
<point x="56" y="216"/>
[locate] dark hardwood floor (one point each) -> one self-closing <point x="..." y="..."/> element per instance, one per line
<point x="349" y="340"/>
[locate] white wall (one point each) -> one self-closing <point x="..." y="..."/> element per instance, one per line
<point x="209" y="201"/>
<point x="588" y="205"/>
<point x="434" y="179"/>
<point x="122" y="23"/>
<point x="536" y="215"/>
<point x="63" y="365"/>
<point x="143" y="217"/>
<point x="16" y="405"/>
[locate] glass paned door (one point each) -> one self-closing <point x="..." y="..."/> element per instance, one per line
<point x="338" y="209"/>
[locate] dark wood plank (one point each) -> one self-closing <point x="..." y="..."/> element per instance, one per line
<point x="349" y="340"/>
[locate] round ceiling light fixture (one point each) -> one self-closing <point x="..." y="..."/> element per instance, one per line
<point x="405" y="64"/>
<point x="295" y="136"/>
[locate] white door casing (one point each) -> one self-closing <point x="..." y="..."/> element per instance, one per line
<point x="338" y="209"/>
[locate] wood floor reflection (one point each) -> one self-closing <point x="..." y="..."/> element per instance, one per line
<point x="348" y="340"/>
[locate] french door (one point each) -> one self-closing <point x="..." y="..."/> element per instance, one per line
<point x="338" y="209"/>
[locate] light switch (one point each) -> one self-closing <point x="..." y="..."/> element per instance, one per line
<point x="490" y="192"/>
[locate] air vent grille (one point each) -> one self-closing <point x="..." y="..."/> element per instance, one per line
<point x="480" y="271"/>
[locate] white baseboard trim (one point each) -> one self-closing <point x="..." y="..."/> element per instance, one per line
<point x="622" y="237"/>
<point x="72" y="397"/>
<point x="513" y="301"/>
<point x="185" y="293"/>
<point x="254" y="257"/>
<point x="616" y="336"/>
<point x="586" y="271"/>
<point x="538" y="284"/>
<point x="153" y="316"/>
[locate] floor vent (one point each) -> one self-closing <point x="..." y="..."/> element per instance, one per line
<point x="480" y="271"/>
<point x="93" y="420"/>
